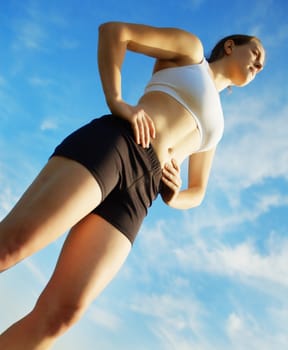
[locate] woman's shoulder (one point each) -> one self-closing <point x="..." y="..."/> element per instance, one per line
<point x="192" y="48"/>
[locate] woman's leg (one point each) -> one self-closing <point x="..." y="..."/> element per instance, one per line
<point x="62" y="194"/>
<point x="91" y="256"/>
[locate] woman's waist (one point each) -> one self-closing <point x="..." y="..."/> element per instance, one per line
<point x="168" y="115"/>
<point x="176" y="146"/>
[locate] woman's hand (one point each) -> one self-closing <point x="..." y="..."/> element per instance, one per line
<point x="171" y="182"/>
<point x="142" y="125"/>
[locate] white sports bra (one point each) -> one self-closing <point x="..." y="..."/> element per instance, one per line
<point x="193" y="87"/>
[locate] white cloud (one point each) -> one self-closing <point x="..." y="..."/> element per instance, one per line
<point x="32" y="35"/>
<point x="17" y="294"/>
<point x="223" y="220"/>
<point x="170" y="316"/>
<point x="69" y="44"/>
<point x="36" y="272"/>
<point x="255" y="146"/>
<point x="242" y="261"/>
<point x="7" y="196"/>
<point x="35" y="30"/>
<point x="30" y="31"/>
<point x="48" y="124"/>
<point x="2" y="81"/>
<point x="180" y="321"/>
<point x="246" y="332"/>
<point x="234" y="324"/>
<point x="104" y="318"/>
<point x="7" y="199"/>
<point x="180" y="314"/>
<point x="195" y="3"/>
<point x="277" y="36"/>
<point x="40" y="82"/>
<point x="9" y="106"/>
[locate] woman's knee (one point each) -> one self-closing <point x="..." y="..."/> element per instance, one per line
<point x="10" y="254"/>
<point x="57" y="316"/>
<point x="13" y="240"/>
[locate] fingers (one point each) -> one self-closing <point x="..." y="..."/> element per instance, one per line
<point x="142" y="125"/>
<point x="175" y="165"/>
<point x="171" y="175"/>
<point x="144" y="128"/>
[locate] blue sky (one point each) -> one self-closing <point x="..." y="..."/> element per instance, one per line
<point x="214" y="277"/>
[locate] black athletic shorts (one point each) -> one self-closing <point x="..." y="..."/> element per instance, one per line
<point x="128" y="174"/>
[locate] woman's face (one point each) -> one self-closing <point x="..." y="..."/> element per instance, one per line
<point x="246" y="61"/>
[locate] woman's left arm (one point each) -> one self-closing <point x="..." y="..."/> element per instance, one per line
<point x="198" y="175"/>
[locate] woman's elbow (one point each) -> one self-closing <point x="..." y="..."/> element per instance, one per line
<point x="199" y="197"/>
<point x="110" y="28"/>
<point x="199" y="202"/>
<point x="105" y="27"/>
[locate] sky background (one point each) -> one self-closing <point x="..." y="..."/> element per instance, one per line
<point x="214" y="277"/>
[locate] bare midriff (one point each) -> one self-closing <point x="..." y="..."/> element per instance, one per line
<point x="177" y="135"/>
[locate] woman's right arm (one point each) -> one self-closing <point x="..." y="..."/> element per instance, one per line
<point x="198" y="175"/>
<point x="164" y="44"/>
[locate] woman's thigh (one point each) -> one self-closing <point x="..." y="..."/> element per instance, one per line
<point x="61" y="195"/>
<point x="92" y="254"/>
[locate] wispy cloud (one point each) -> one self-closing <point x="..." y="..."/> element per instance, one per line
<point x="7" y="199"/>
<point x="2" y="81"/>
<point x="36" y="30"/>
<point x="241" y="260"/>
<point x="40" y="82"/>
<point x="48" y="124"/>
<point x="7" y="195"/>
<point x="246" y="332"/>
<point x="36" y="271"/>
<point x="17" y="291"/>
<point x="69" y="44"/>
<point x="238" y="213"/>
<point x="194" y="3"/>
<point x="255" y="147"/>
<point x="277" y="36"/>
<point x="242" y="263"/>
<point x="104" y="318"/>
<point x="31" y="35"/>
<point x="170" y="317"/>
<point x="9" y="107"/>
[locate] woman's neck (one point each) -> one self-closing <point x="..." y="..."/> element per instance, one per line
<point x="219" y="75"/>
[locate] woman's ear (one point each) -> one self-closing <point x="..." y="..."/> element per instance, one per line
<point x="228" y="46"/>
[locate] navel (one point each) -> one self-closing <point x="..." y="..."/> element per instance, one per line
<point x="170" y="151"/>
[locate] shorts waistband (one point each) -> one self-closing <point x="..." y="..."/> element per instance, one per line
<point x="155" y="163"/>
<point x="126" y="129"/>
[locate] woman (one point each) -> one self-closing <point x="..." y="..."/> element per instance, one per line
<point x="117" y="164"/>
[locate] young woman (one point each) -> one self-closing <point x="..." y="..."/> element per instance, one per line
<point x="101" y="179"/>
